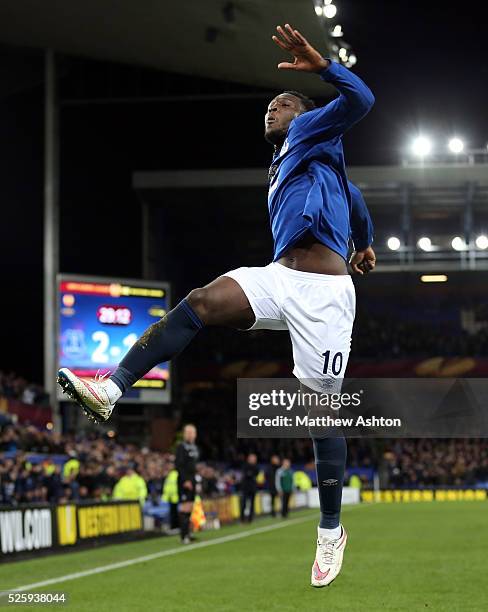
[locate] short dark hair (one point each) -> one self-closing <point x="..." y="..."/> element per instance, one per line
<point x="307" y="102"/>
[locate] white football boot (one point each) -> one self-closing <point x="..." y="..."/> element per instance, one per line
<point x="328" y="559"/>
<point x="91" y="395"/>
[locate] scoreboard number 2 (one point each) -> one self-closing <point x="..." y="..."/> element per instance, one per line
<point x="101" y="353"/>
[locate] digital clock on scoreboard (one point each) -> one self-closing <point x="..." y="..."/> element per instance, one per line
<point x="100" y="319"/>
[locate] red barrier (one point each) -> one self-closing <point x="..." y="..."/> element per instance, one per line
<point x="35" y="415"/>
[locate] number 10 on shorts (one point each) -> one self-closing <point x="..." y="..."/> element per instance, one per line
<point x="335" y="362"/>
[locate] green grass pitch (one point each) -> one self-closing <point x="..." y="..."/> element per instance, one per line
<point x="426" y="556"/>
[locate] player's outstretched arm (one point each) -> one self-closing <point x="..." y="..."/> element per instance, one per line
<point x="355" y="99"/>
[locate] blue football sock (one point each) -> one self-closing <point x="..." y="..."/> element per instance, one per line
<point x="330" y="462"/>
<point x="160" y="342"/>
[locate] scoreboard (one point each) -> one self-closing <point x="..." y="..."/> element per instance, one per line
<point x="100" y="319"/>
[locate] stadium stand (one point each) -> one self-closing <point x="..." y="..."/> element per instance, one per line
<point x="14" y="386"/>
<point x="42" y="466"/>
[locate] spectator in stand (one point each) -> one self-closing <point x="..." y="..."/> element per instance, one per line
<point x="170" y="495"/>
<point x="53" y="481"/>
<point x="13" y="386"/>
<point x="355" y="481"/>
<point x="209" y="481"/>
<point x="249" y="485"/>
<point x="154" y="480"/>
<point x="7" y="481"/>
<point x="131" y="486"/>
<point x="72" y="466"/>
<point x="107" y="479"/>
<point x="9" y="440"/>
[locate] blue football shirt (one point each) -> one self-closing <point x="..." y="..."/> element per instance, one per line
<point x="309" y="190"/>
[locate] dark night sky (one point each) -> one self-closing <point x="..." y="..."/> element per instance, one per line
<point x="425" y="61"/>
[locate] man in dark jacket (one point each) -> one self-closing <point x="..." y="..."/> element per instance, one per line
<point x="248" y="487"/>
<point x="186" y="464"/>
<point x="274" y="464"/>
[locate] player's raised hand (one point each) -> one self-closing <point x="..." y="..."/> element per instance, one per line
<point x="363" y="262"/>
<point x="307" y="59"/>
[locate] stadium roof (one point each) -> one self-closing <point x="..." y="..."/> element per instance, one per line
<point x="217" y="39"/>
<point x="367" y="177"/>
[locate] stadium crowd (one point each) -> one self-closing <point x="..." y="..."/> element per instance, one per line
<point x="14" y="386"/>
<point x="434" y="463"/>
<point x="40" y="466"/>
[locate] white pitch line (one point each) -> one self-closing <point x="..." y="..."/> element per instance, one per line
<point x="164" y="553"/>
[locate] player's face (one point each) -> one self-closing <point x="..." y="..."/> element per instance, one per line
<point x="281" y="111"/>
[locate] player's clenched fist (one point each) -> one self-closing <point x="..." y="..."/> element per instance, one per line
<point x="363" y="262"/>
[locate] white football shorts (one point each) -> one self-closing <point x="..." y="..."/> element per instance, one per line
<point x="317" y="309"/>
